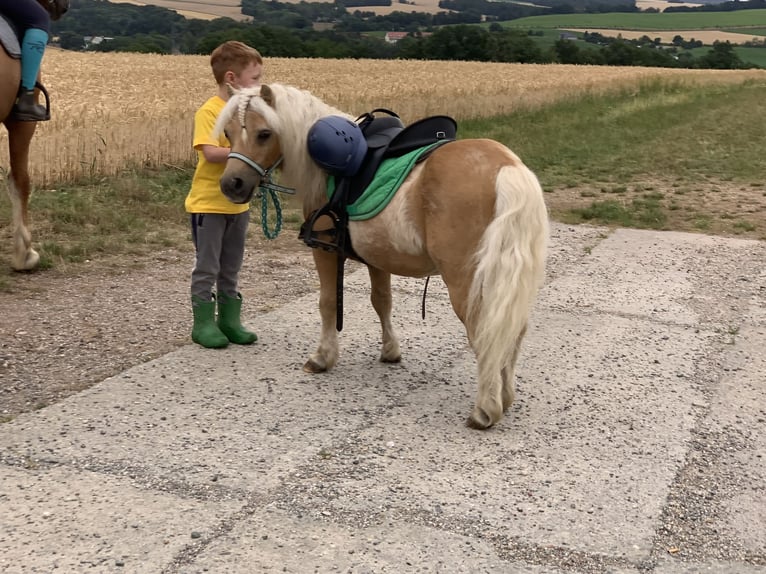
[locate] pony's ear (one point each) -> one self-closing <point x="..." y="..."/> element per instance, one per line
<point x="231" y="90"/>
<point x="267" y="95"/>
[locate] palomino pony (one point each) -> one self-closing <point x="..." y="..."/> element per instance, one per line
<point x="19" y="138"/>
<point x="471" y="212"/>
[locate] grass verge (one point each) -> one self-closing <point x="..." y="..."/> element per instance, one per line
<point x="663" y="156"/>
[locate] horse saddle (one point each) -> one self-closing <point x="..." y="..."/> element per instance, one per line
<point x="9" y="38"/>
<point x="386" y="137"/>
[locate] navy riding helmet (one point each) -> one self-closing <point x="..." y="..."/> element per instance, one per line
<point x="337" y="145"/>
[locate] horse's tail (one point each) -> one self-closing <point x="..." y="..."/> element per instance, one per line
<point x="510" y="266"/>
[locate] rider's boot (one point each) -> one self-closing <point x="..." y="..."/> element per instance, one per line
<point x="27" y="109"/>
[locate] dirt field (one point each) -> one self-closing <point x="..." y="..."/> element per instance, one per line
<point x="200" y="10"/>
<point x="661" y="4"/>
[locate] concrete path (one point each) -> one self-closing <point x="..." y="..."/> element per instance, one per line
<point x="636" y="444"/>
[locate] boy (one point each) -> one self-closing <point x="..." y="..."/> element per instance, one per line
<point x="219" y="227"/>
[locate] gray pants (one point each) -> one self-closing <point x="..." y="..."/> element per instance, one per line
<point x="219" y="241"/>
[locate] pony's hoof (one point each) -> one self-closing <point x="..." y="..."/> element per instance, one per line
<point x="312" y="366"/>
<point x="28" y="263"/>
<point x="385" y="359"/>
<point x="479" y="420"/>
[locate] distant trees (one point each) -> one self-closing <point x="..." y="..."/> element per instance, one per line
<point x="286" y="30"/>
<point x="721" y="57"/>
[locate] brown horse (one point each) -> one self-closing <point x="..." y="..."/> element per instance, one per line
<point x="19" y="138"/>
<point x="471" y="212"/>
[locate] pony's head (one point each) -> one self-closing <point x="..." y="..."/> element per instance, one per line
<point x="251" y="125"/>
<point x="268" y="127"/>
<point x="56" y="8"/>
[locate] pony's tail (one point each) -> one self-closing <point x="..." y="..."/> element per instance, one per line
<point x="510" y="267"/>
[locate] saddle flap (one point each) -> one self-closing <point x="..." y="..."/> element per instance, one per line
<point x="9" y="38"/>
<point x="422" y="133"/>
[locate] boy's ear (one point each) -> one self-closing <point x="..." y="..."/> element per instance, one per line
<point x="267" y="94"/>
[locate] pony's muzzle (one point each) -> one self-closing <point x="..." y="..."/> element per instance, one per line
<point x="237" y="190"/>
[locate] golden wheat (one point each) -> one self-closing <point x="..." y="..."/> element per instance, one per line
<point x="118" y="110"/>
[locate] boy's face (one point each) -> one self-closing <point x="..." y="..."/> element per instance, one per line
<point x="249" y="77"/>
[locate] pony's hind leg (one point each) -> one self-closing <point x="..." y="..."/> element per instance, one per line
<point x="488" y="408"/>
<point x="19" y="137"/>
<point x="380" y="296"/>
<point x="509" y="393"/>
<point x="326" y="355"/>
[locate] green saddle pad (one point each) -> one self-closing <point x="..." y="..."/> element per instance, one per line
<point x="390" y="175"/>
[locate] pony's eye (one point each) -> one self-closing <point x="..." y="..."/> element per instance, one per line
<point x="264" y="135"/>
<point x="226" y="134"/>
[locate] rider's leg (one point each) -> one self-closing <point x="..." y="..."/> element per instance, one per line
<point x="32" y="50"/>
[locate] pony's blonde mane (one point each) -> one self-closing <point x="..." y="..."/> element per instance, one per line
<point x="293" y="113"/>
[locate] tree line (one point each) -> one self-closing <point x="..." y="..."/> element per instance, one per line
<point x="151" y="29"/>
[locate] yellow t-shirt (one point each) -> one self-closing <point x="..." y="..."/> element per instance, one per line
<point x="205" y="195"/>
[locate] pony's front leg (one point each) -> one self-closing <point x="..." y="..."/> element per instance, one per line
<point x="326" y="354"/>
<point x="19" y="188"/>
<point x="380" y="295"/>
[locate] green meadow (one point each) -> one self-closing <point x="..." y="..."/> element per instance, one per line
<point x="653" y="21"/>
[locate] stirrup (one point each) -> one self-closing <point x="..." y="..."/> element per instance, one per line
<point x="15" y="115"/>
<point x="312" y="237"/>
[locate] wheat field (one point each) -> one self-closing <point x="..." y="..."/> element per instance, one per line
<point x="112" y="111"/>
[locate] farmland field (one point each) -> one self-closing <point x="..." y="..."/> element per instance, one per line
<point x="661" y="4"/>
<point x="642" y="21"/>
<point x="707" y="37"/>
<point x="217" y="8"/>
<point x="208" y="10"/>
<point x="140" y="107"/>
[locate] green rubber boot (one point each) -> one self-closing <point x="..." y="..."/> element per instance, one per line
<point x="229" y="309"/>
<point x="205" y="331"/>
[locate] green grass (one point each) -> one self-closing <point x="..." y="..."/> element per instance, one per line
<point x="645" y="213"/>
<point x="755" y="32"/>
<point x="649" y="158"/>
<point x="136" y="213"/>
<point x="748" y="54"/>
<point x="644" y="21"/>
<point x="690" y="132"/>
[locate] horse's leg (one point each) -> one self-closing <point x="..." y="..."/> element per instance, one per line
<point x="509" y="393"/>
<point x="19" y="137"/>
<point x="326" y="354"/>
<point x="380" y="282"/>
<point x="489" y="400"/>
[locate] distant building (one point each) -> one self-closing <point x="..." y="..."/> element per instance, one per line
<point x="394" y="37"/>
<point x="567" y="36"/>
<point x="95" y="40"/>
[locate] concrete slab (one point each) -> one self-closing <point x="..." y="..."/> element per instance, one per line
<point x="58" y="518"/>
<point x="672" y="277"/>
<point x="641" y="370"/>
<point x="738" y="416"/>
<point x="275" y="541"/>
